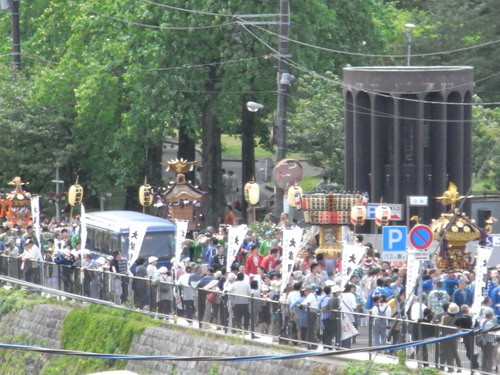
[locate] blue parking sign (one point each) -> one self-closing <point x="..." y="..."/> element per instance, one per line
<point x="394" y="238"/>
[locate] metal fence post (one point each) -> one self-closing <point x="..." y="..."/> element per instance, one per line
<point x="370" y="332"/>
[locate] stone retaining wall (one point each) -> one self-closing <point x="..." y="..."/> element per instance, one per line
<point x="42" y="327"/>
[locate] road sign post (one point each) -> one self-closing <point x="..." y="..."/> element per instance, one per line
<point x="394" y="238"/>
<point x="421" y="237"/>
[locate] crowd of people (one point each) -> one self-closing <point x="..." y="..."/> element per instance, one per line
<point x="314" y="305"/>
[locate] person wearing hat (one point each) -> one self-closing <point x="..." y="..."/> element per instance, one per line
<point x="65" y="264"/>
<point x="266" y="245"/>
<point x="489" y="348"/>
<point x="11" y="249"/>
<point x="152" y="270"/>
<point x="462" y="295"/>
<point x="449" y="348"/>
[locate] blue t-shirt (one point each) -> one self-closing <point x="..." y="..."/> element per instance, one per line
<point x="450" y="285"/>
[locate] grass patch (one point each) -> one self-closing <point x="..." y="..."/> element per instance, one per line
<point x="231" y="149"/>
<point x="98" y="329"/>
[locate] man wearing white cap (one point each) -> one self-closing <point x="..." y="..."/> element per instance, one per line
<point x="152" y="270"/>
<point x="449" y="348"/>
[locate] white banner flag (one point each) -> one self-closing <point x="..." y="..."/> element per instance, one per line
<point x="235" y="237"/>
<point x="291" y="246"/>
<point x="412" y="271"/>
<point x="35" y="216"/>
<point x="181" y="228"/>
<point x="483" y="255"/>
<point x="136" y="235"/>
<point x="351" y="256"/>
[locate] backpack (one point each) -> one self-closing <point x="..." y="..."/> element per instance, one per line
<point x="381" y="322"/>
<point x="164" y="287"/>
<point x="481" y="339"/>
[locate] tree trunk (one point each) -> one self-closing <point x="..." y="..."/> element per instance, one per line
<point x="211" y="156"/>
<point x="247" y="152"/>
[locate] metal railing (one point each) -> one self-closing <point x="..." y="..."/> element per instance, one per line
<point x="231" y="313"/>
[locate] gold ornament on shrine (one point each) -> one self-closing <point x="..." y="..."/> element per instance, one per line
<point x="457" y="228"/>
<point x="179" y="166"/>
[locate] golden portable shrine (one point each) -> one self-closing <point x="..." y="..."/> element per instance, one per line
<point x="180" y="200"/>
<point x="454" y="230"/>
<point x="330" y="211"/>
<point x="16" y="205"/>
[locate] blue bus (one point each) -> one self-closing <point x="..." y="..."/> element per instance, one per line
<point x="108" y="231"/>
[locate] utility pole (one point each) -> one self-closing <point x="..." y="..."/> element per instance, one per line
<point x="16" y="36"/>
<point x="283" y="80"/>
<point x="12" y="6"/>
<point x="58" y="183"/>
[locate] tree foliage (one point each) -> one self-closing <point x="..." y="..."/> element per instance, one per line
<point x="104" y="82"/>
<point x="316" y="127"/>
<point x="485" y="143"/>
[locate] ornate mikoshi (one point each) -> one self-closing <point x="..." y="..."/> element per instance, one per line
<point x="181" y="200"/>
<point x="454" y="229"/>
<point x="146" y="194"/>
<point x="75" y="194"/>
<point x="17" y="204"/>
<point x="331" y="211"/>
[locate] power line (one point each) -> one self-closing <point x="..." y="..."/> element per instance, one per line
<point x="133" y="23"/>
<point x="486" y="44"/>
<point x="187" y="10"/>
<point x="343" y="85"/>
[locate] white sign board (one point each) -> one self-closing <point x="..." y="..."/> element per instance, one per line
<point x="418" y="200"/>
<point x="394" y="256"/>
<point x="397" y="213"/>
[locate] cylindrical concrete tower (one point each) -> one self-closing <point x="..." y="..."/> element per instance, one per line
<point x="408" y="132"/>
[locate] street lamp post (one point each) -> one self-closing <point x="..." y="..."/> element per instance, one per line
<point x="283" y="81"/>
<point x="409" y="30"/>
